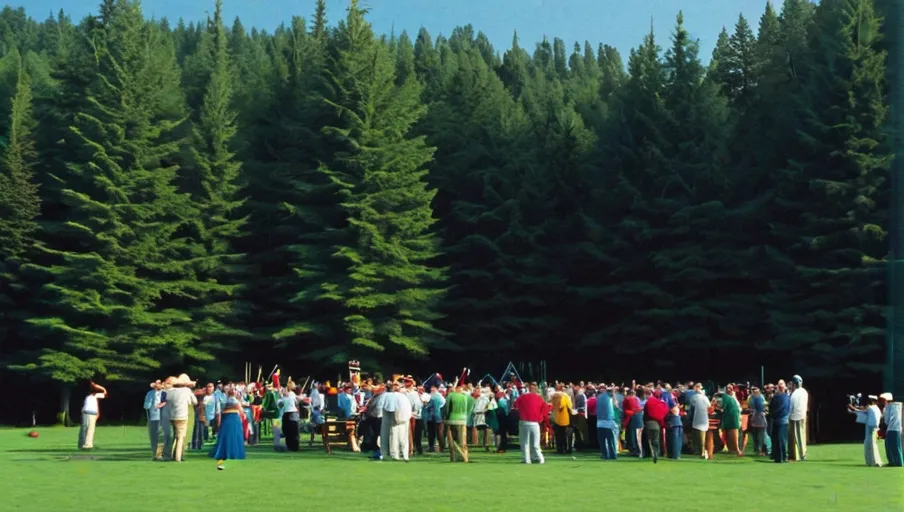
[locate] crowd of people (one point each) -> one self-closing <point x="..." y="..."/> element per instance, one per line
<point x="398" y="418"/>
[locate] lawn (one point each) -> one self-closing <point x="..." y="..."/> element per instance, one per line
<point x="47" y="474"/>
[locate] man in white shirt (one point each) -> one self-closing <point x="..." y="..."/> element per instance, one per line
<point x="416" y="427"/>
<point x="90" y="410"/>
<point x="179" y="400"/>
<point x="290" y="417"/>
<point x="892" y="415"/>
<point x="388" y="405"/>
<point x="797" y="420"/>
<point x="401" y="421"/>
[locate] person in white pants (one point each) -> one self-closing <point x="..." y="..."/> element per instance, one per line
<point x="401" y="419"/>
<point x="531" y="407"/>
<point x="90" y="410"/>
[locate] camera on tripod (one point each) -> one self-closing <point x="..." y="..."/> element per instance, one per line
<point x="855" y="399"/>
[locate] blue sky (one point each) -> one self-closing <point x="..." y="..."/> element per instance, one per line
<point x="620" y="23"/>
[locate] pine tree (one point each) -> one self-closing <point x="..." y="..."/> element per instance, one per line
<point x="19" y="200"/>
<point x="212" y="182"/>
<point x="826" y="302"/>
<point x="105" y="308"/>
<point x="391" y="289"/>
<point x="19" y="207"/>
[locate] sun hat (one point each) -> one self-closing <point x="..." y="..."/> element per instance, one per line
<point x="184" y="380"/>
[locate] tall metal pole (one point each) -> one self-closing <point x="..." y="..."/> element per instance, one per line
<point x="894" y="372"/>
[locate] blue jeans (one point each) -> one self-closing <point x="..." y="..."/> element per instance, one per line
<point x="674" y="440"/>
<point x="780" y="442"/>
<point x="893" y="448"/>
<point x="608" y="448"/>
<point x="197" y="434"/>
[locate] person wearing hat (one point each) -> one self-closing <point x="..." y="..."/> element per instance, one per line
<point x="869" y="416"/>
<point x="797" y="420"/>
<point x="892" y="417"/>
<point x="90" y="412"/>
<point x="152" y="408"/>
<point x="179" y="401"/>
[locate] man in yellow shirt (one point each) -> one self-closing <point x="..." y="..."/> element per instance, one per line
<point x="561" y="419"/>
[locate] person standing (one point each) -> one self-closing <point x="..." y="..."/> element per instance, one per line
<point x="699" y="421"/>
<point x="632" y="422"/>
<point x="152" y="408"/>
<point x="389" y="405"/>
<point x="731" y="423"/>
<point x="675" y="432"/>
<point x="456" y="420"/>
<point x="531" y="408"/>
<point x="579" y="419"/>
<point x="230" y="441"/>
<point x="179" y="400"/>
<point x="400" y="430"/>
<point x="90" y="412"/>
<point x="433" y="414"/>
<point x="870" y="416"/>
<point x="779" y="411"/>
<point x="654" y="414"/>
<point x="757" y="422"/>
<point x="892" y="415"/>
<point x="288" y="403"/>
<point x="561" y="411"/>
<point x="797" y="420"/>
<point x="606" y="425"/>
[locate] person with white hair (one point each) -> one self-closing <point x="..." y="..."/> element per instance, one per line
<point x="779" y="412"/>
<point x="797" y="420"/>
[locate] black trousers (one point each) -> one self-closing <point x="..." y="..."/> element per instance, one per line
<point x="564" y="437"/>
<point x="290" y="430"/>
<point x="419" y="436"/>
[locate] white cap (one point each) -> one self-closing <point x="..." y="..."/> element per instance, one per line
<point x="887" y="397"/>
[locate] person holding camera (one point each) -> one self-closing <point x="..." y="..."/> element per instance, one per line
<point x="869" y="416"/>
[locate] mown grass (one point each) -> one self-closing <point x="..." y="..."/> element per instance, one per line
<point x="48" y="473"/>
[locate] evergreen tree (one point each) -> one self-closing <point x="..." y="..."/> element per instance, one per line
<point x="212" y="182"/>
<point x="826" y="303"/>
<point x="19" y="206"/>
<point x="105" y="307"/>
<point x="391" y="289"/>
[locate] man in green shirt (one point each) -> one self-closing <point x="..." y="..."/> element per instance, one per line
<point x="456" y="419"/>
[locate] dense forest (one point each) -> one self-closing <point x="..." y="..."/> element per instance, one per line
<point x="194" y="195"/>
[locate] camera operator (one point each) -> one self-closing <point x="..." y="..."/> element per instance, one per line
<point x="869" y="416"/>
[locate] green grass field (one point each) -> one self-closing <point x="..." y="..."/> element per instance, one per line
<point x="47" y="474"/>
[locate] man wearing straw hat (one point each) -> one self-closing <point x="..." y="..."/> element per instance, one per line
<point x="179" y="400"/>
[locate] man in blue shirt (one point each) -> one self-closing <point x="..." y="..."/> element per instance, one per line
<point x="779" y="412"/>
<point x="606" y="427"/>
<point x="151" y="405"/>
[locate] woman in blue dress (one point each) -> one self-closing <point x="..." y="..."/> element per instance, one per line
<point x="231" y="439"/>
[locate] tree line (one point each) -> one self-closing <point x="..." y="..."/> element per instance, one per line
<point x="182" y="196"/>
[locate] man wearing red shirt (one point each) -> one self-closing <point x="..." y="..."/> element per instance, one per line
<point x="632" y="422"/>
<point x="654" y="413"/>
<point x="530" y="407"/>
